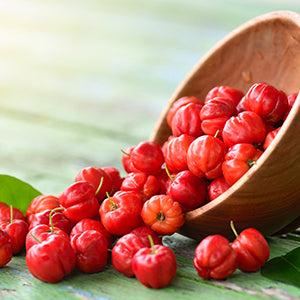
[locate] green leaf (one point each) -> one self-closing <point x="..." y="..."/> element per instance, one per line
<point x="295" y="236"/>
<point x="284" y="268"/>
<point x="16" y="192"/>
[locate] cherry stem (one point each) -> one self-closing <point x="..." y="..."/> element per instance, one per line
<point x="160" y="216"/>
<point x="50" y="217"/>
<point x="151" y="244"/>
<point x="124" y="152"/>
<point x="34" y="237"/>
<point x="251" y="162"/>
<point x="217" y="133"/>
<point x="233" y="229"/>
<point x="99" y="186"/>
<point x="169" y="174"/>
<point x="11" y="214"/>
<point x="113" y="206"/>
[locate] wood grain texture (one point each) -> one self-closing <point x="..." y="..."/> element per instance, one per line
<point x="267" y="197"/>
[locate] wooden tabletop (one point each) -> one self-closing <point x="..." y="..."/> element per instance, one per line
<point x="81" y="80"/>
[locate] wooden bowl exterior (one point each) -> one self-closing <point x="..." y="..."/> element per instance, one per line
<point x="265" y="49"/>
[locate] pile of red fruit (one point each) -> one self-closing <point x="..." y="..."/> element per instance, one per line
<point x="217" y="258"/>
<point x="220" y="138"/>
<point x="213" y="143"/>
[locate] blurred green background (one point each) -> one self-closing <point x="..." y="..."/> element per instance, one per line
<point x="79" y="80"/>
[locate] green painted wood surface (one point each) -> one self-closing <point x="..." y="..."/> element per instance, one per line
<point x="79" y="81"/>
<point x="16" y="281"/>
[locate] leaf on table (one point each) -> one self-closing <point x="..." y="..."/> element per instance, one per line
<point x="295" y="236"/>
<point x="284" y="268"/>
<point x="16" y="192"/>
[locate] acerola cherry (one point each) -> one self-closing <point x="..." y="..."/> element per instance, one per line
<point x="270" y="137"/>
<point x="268" y="102"/>
<point x="176" y="152"/>
<point x="51" y="259"/>
<point x="5" y="213"/>
<point x="98" y="178"/>
<point x="238" y="160"/>
<point x="144" y="185"/>
<point x="91" y="248"/>
<point x="17" y="230"/>
<point x="188" y="189"/>
<point x="291" y="100"/>
<point x="205" y="156"/>
<point x="116" y="178"/>
<point x="246" y="127"/>
<point x="162" y="214"/>
<point x="39" y="204"/>
<point x="79" y="201"/>
<point x="215" y="258"/>
<point x="126" y="160"/>
<point x="155" y="267"/>
<point x="123" y="252"/>
<point x="164" y="181"/>
<point x="91" y="224"/>
<point x="58" y="218"/>
<point x="224" y="91"/>
<point x="121" y="213"/>
<point x="41" y="233"/>
<point x="180" y="103"/>
<point x="217" y="187"/>
<point x="127" y="245"/>
<point x="147" y="157"/>
<point x="215" y="113"/>
<point x="143" y="233"/>
<point x="187" y="121"/>
<point x="5" y="248"/>
<point x="252" y="249"/>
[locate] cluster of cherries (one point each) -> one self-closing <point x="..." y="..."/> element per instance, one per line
<point x="94" y="216"/>
<point x="213" y="143"/>
<point x="217" y="140"/>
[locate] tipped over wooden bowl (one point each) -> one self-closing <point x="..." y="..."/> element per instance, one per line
<point x="265" y="49"/>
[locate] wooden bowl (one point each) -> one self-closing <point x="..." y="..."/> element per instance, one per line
<point x="265" y="49"/>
